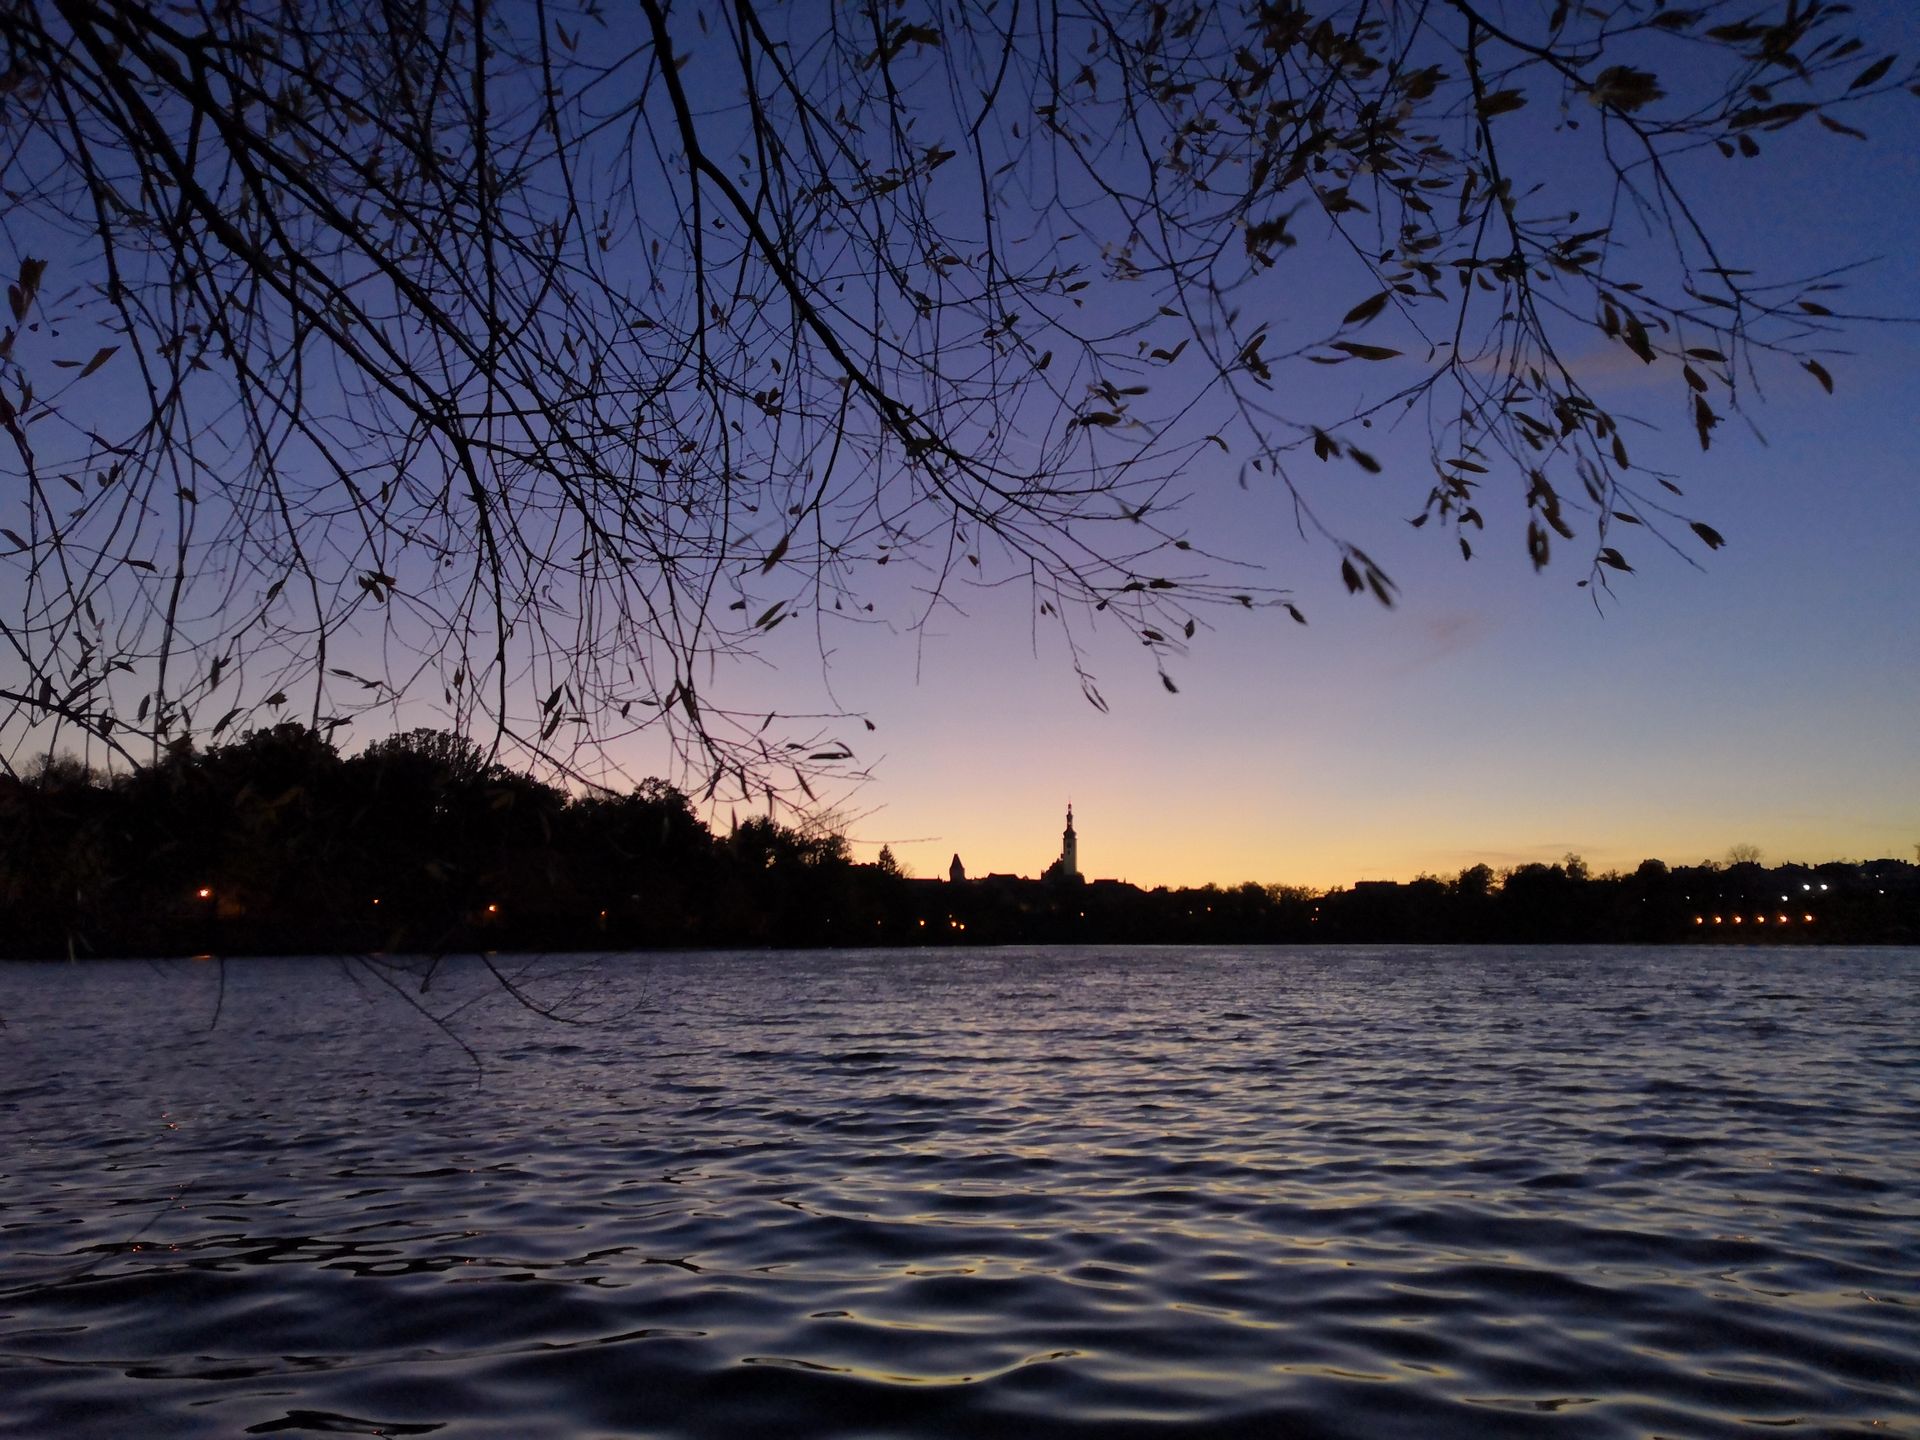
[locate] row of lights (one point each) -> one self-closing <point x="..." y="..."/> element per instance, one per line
<point x="206" y="893"/>
<point x="1758" y="919"/>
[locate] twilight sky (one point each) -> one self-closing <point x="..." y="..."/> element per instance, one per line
<point x="1770" y="697"/>
<point x="1763" y="694"/>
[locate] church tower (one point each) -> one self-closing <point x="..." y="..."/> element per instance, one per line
<point x="1070" y="849"/>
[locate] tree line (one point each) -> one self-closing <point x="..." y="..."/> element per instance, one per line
<point x="278" y="843"/>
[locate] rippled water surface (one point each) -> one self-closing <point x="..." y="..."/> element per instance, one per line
<point x="1280" y="1193"/>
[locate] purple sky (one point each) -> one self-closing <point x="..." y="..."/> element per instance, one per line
<point x="1770" y="697"/>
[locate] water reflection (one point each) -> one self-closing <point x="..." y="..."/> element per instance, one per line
<point x="1356" y="1194"/>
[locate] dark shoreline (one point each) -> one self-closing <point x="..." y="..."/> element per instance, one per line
<point x="521" y="953"/>
<point x="278" y="844"/>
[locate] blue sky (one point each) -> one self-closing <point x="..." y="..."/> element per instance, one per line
<point x="1767" y="694"/>
<point x="1769" y="697"/>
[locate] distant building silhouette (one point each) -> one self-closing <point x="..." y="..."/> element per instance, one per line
<point x="956" y="872"/>
<point x="1070" y="849"/>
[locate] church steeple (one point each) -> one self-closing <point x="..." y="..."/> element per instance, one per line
<point x="1070" y="848"/>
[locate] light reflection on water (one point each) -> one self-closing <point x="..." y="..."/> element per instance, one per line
<point x="1279" y="1193"/>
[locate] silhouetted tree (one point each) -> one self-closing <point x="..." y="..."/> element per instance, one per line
<point x="572" y="349"/>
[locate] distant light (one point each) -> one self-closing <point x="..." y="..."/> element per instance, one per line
<point x="1809" y="887"/>
<point x="204" y="893"/>
<point x="1716" y="919"/>
<point x="493" y="909"/>
<point x="1824" y="887"/>
<point x="1699" y="919"/>
<point x="1784" y="920"/>
<point x="1807" y="918"/>
<point x="1783" y="899"/>
<point x="1759" y="919"/>
<point x="1736" y="919"/>
<point x="376" y="899"/>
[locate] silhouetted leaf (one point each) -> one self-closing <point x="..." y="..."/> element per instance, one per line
<point x="1873" y="72"/>
<point x="1819" y="372"/>
<point x="1707" y="533"/>
<point x="1367" y="309"/>
<point x="21" y="295"/>
<point x="1365" y="352"/>
<point x="1623" y="88"/>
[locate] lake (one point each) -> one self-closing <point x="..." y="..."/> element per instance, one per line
<point x="1284" y="1193"/>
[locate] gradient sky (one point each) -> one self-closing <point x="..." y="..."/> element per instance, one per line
<point x="1770" y="697"/>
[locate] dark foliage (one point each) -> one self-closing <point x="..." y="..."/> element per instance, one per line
<point x="277" y="843"/>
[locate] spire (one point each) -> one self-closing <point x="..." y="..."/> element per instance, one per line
<point x="1070" y="848"/>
